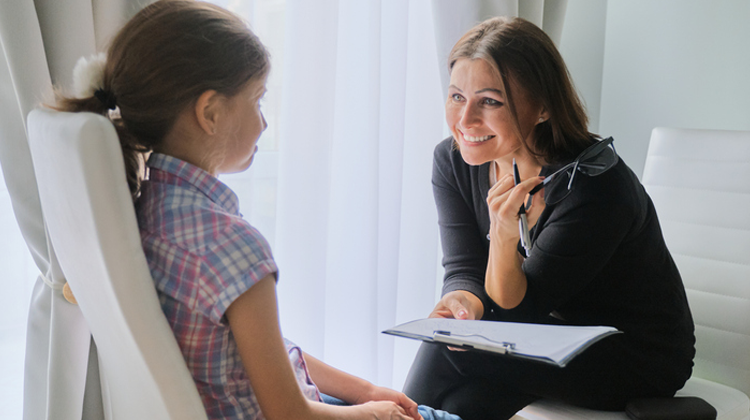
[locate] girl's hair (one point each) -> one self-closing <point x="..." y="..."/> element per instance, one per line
<point x="522" y="53"/>
<point x="160" y="62"/>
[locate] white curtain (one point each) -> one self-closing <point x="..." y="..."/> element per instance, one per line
<point x="362" y="110"/>
<point x="356" y="234"/>
<point x="361" y="113"/>
<point x="41" y="41"/>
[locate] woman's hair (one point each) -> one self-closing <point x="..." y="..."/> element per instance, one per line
<point x="523" y="54"/>
<point x="160" y="62"/>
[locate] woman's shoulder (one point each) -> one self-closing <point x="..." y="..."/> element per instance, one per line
<point x="446" y="151"/>
<point x="616" y="191"/>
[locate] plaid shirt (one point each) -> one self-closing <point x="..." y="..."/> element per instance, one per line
<point x="202" y="256"/>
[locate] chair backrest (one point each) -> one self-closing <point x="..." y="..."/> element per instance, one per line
<point x="92" y="225"/>
<point x="699" y="181"/>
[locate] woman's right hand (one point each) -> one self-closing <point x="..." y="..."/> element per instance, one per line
<point x="387" y="410"/>
<point x="458" y="304"/>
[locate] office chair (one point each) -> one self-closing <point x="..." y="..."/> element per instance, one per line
<point x="699" y="181"/>
<point x="91" y="222"/>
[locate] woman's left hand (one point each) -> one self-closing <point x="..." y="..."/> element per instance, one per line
<point x="504" y="200"/>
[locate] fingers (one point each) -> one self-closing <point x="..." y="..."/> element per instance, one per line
<point x="459" y="310"/>
<point x="509" y="198"/>
<point x="502" y="185"/>
<point x="450" y="306"/>
<point x="441" y="312"/>
<point x="410" y="406"/>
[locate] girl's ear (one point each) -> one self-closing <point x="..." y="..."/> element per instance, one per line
<point x="208" y="110"/>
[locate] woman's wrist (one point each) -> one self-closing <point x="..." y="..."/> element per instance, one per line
<point x="505" y="281"/>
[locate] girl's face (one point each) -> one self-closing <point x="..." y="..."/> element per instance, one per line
<point x="245" y="124"/>
<point x="479" y="118"/>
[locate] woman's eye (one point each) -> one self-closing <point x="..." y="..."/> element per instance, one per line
<point x="491" y="102"/>
<point x="457" y="98"/>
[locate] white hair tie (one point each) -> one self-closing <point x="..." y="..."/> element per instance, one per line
<point x="88" y="75"/>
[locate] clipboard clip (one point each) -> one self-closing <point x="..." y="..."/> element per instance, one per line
<point x="446" y="337"/>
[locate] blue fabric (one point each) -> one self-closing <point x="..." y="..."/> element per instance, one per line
<point x="332" y="400"/>
<point x="427" y="413"/>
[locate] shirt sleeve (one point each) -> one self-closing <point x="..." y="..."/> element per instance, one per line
<point x="234" y="262"/>
<point x="464" y="248"/>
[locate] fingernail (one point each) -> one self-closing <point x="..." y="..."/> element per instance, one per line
<point x="461" y="314"/>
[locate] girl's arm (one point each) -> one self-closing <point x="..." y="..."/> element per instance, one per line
<point x="253" y="319"/>
<point x="352" y="389"/>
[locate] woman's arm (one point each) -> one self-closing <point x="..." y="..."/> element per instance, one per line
<point x="505" y="281"/>
<point x="253" y="319"/>
<point x="462" y="238"/>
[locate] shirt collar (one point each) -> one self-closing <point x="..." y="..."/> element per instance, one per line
<point x="170" y="170"/>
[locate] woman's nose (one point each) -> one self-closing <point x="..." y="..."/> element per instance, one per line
<point x="470" y="116"/>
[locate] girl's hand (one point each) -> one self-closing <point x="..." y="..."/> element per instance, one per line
<point x="379" y="393"/>
<point x="503" y="202"/>
<point x="388" y="410"/>
<point x="458" y="304"/>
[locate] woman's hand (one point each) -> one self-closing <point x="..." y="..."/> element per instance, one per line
<point x="379" y="393"/>
<point x="504" y="200"/>
<point x="458" y="304"/>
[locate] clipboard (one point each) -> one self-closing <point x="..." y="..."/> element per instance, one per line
<point x="552" y="344"/>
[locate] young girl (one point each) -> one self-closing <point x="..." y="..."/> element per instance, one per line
<point x="183" y="80"/>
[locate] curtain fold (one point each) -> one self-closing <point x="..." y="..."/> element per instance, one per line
<point x="361" y="113"/>
<point x="41" y="41"/>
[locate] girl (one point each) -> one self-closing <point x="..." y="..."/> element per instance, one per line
<point x="183" y="80"/>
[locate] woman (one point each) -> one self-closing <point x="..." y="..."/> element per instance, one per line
<point x="597" y="255"/>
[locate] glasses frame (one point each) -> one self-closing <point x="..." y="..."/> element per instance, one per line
<point x="577" y="165"/>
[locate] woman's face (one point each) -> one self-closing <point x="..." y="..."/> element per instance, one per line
<point x="478" y="115"/>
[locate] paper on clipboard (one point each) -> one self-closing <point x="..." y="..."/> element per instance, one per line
<point x="554" y="344"/>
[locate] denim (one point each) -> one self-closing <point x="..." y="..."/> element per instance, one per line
<point x="429" y="413"/>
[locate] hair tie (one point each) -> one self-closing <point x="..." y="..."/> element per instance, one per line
<point x="88" y="79"/>
<point x="107" y="98"/>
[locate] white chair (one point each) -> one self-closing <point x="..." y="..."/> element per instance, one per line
<point x="699" y="181"/>
<point x="91" y="222"/>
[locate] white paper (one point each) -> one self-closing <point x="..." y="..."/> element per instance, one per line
<point x="556" y="344"/>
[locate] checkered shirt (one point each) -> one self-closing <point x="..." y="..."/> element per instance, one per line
<point x="203" y="255"/>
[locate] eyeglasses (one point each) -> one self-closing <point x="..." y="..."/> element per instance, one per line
<point x="595" y="160"/>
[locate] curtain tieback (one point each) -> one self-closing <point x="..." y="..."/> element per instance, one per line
<point x="66" y="291"/>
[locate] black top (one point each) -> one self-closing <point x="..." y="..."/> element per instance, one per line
<point x="598" y="258"/>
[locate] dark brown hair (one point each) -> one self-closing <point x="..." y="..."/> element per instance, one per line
<point x="160" y="62"/>
<point x="522" y="53"/>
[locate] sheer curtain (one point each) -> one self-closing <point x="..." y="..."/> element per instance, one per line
<point x="341" y="186"/>
<point x="356" y="229"/>
<point x="356" y="237"/>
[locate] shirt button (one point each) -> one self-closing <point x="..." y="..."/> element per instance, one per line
<point x="68" y="294"/>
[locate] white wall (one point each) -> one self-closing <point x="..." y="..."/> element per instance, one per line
<point x="582" y="48"/>
<point x="676" y="63"/>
